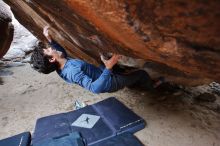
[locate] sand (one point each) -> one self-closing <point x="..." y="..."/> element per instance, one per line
<point x="172" y="120"/>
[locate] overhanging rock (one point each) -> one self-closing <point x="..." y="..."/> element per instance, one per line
<point x="6" y="29"/>
<point x="182" y="35"/>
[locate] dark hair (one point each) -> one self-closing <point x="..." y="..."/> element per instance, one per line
<point x="40" y="62"/>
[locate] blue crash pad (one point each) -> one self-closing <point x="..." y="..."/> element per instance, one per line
<point x="72" y="139"/>
<point x="114" y="119"/>
<point x="124" y="139"/>
<point x="22" y="139"/>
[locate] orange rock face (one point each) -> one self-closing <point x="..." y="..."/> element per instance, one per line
<point x="181" y="35"/>
<point x="6" y="29"/>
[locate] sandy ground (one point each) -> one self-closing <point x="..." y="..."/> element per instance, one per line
<point x="172" y="120"/>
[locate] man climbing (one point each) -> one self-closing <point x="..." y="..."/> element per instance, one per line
<point x="95" y="79"/>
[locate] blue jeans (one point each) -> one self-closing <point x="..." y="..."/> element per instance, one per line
<point x="139" y="78"/>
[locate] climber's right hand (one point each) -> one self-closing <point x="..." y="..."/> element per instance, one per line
<point x="46" y="33"/>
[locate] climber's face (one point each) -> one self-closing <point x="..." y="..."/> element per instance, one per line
<point x="53" y="54"/>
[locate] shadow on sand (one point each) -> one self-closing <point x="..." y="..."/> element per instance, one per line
<point x="1" y="81"/>
<point x="4" y="68"/>
<point x="4" y="72"/>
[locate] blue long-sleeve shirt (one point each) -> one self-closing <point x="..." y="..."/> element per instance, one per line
<point x="88" y="76"/>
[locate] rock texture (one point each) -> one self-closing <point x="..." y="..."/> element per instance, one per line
<point x="23" y="43"/>
<point x="176" y="34"/>
<point x="6" y="29"/>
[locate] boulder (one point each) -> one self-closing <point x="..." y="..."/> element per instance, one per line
<point x="177" y="37"/>
<point x="23" y="42"/>
<point x="205" y="97"/>
<point x="6" y="29"/>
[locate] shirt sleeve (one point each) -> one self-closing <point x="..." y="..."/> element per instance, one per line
<point x="102" y="67"/>
<point x="102" y="84"/>
<point x="58" y="47"/>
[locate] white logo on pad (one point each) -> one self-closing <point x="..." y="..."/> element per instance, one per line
<point x="86" y="121"/>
